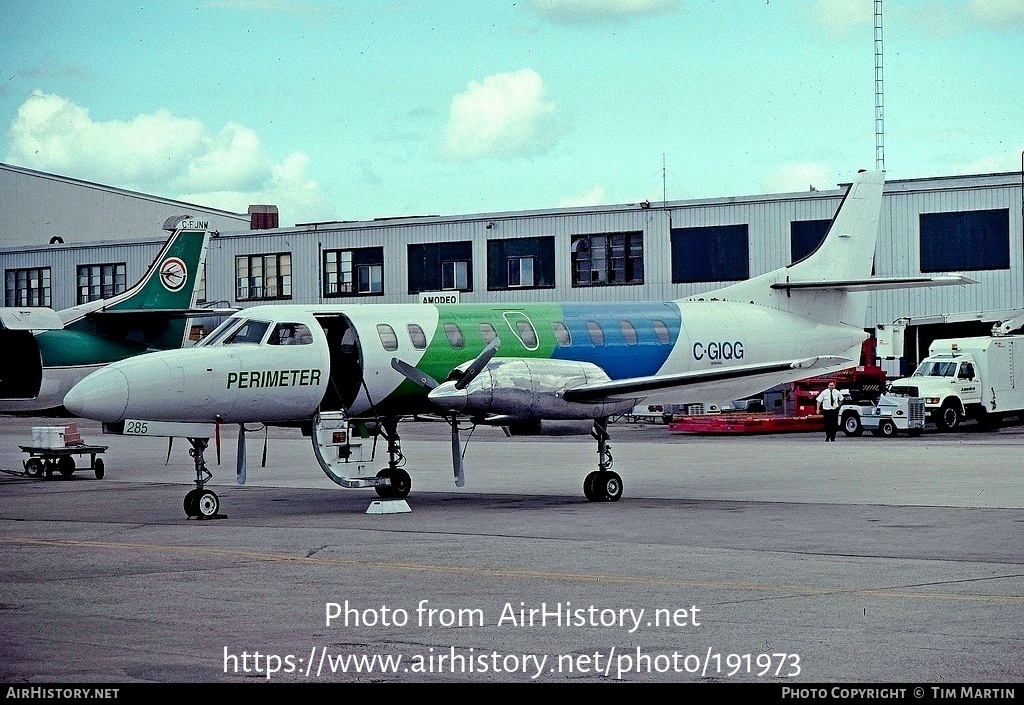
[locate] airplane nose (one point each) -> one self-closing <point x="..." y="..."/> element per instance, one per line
<point x="102" y="396"/>
<point x="447" y="396"/>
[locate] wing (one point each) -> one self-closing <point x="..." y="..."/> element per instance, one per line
<point x="744" y="376"/>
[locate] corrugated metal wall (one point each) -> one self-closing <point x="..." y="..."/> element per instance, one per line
<point x="768" y="220"/>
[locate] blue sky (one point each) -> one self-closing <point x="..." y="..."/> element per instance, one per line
<point x="378" y="108"/>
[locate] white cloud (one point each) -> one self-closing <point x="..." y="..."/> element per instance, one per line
<point x="506" y="114"/>
<point x="794" y="176"/>
<point x="999" y="12"/>
<point x="840" y="16"/>
<point x="586" y="11"/>
<point x="594" y="197"/>
<point x="161" y="154"/>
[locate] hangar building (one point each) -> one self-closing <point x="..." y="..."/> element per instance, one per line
<point x="65" y="241"/>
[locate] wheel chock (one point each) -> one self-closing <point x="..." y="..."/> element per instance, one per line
<point x="388" y="506"/>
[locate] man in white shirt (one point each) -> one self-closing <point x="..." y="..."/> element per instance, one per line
<point x="829" y="402"/>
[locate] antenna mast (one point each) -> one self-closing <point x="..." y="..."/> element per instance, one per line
<point x="879" y="92"/>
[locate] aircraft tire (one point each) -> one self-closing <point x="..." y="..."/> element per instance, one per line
<point x="207" y="504"/>
<point x="385" y="491"/>
<point x="609" y="486"/>
<point x="189" y="504"/>
<point x="401" y="483"/>
<point x="588" y="487"/>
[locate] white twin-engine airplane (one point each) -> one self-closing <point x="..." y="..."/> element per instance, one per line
<point x="330" y="367"/>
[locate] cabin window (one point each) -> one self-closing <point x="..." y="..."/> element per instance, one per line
<point x="290" y="334"/>
<point x="250" y="332"/>
<point x="661" y="330"/>
<point x="353" y="272"/>
<point x="416" y="336"/>
<point x="387" y="337"/>
<point x="965" y="240"/>
<point x="487" y="332"/>
<point x="710" y="254"/>
<point x="27" y="287"/>
<point x="454" y="334"/>
<point x="527" y="334"/>
<point x="562" y="336"/>
<point x="628" y="332"/>
<point x="596" y="334"/>
<point x="100" y="281"/>
<point x="263" y="277"/>
<point x="605" y="259"/>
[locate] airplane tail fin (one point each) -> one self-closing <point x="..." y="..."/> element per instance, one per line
<point x="835" y="277"/>
<point x="157" y="306"/>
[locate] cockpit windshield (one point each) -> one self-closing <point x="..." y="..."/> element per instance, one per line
<point x="935" y="368"/>
<point x="251" y="332"/>
<point x="220" y="331"/>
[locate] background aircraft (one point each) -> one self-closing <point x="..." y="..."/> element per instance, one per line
<point x="46" y="352"/>
<point x="326" y="367"/>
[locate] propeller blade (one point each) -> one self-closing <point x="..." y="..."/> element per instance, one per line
<point x="266" y="441"/>
<point x="477" y="366"/>
<point x="170" y="442"/>
<point x="460" y="475"/>
<point x="240" y="458"/>
<point x="216" y="436"/>
<point x="413" y="374"/>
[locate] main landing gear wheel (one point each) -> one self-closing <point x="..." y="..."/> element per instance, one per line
<point x="207" y="504"/>
<point x="602" y="486"/>
<point x="400" y="485"/>
<point x="189" y="504"/>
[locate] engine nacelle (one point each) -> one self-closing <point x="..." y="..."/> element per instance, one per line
<point x="525" y="388"/>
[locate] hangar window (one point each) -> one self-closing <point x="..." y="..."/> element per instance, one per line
<point x="487" y="332"/>
<point x="27" y="287"/>
<point x="454" y="334"/>
<point x="387" y="337"/>
<point x="965" y="240"/>
<point x="100" y="281"/>
<point x="416" y="336"/>
<point x="606" y="259"/>
<point x="661" y="330"/>
<point x="628" y="332"/>
<point x="290" y="334"/>
<point x="710" y="254"/>
<point x="562" y="336"/>
<point x="521" y="263"/>
<point x="263" y="277"/>
<point x="805" y="236"/>
<point x="356" y="272"/>
<point x="441" y="266"/>
<point x="596" y="334"/>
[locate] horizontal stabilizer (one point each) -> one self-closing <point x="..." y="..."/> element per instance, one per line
<point x="30" y="318"/>
<point x="876" y="283"/>
<point x="165" y="312"/>
<point x="638" y="386"/>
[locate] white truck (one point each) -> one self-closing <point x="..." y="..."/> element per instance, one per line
<point x="969" y="378"/>
<point x="889" y="415"/>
